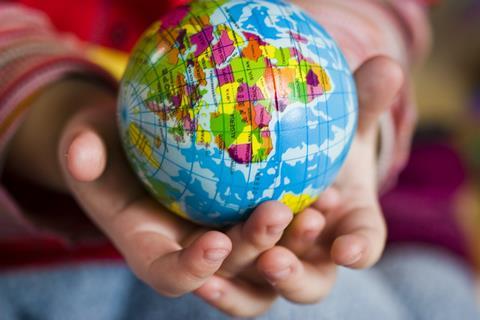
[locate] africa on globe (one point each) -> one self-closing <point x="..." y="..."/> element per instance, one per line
<point x="226" y="104"/>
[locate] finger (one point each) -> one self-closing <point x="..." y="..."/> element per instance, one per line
<point x="297" y="281"/>
<point x="91" y="135"/>
<point x="144" y="237"/>
<point x="359" y="238"/>
<point x="235" y="298"/>
<point x="260" y="232"/>
<point x="182" y="271"/>
<point x="327" y="201"/>
<point x="379" y="81"/>
<point x="302" y="234"/>
<point x="108" y="198"/>
<point x="86" y="157"/>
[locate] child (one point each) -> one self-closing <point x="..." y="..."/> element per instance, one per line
<point x="69" y="131"/>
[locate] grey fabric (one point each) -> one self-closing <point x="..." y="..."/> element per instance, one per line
<point x="432" y="283"/>
<point x="408" y="284"/>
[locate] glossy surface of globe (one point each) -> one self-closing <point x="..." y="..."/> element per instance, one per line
<point x="228" y="104"/>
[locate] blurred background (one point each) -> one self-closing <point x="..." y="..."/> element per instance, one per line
<point x="448" y="90"/>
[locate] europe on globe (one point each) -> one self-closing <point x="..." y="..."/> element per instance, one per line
<point x="226" y="104"/>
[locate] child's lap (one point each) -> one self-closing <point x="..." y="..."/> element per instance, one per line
<point x="110" y="291"/>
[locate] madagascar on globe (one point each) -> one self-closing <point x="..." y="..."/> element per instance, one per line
<point x="226" y="104"/>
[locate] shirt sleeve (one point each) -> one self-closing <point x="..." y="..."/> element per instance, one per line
<point x="32" y="56"/>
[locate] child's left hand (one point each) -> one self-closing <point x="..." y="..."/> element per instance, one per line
<point x="347" y="217"/>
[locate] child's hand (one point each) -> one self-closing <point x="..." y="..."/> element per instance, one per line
<point x="72" y="135"/>
<point x="173" y="256"/>
<point x="170" y="254"/>
<point x="351" y="228"/>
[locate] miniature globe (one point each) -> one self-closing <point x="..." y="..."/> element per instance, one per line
<point x="227" y="104"/>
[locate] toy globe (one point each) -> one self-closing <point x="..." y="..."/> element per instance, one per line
<point x="226" y="104"/>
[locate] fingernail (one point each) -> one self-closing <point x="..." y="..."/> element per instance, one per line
<point x="216" y="255"/>
<point x="354" y="259"/>
<point x="273" y="277"/>
<point x="275" y="230"/>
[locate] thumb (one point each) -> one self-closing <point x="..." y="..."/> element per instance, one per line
<point x="93" y="163"/>
<point x="379" y="81"/>
<point x="86" y="156"/>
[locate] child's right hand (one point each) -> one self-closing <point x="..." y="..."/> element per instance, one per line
<point x="173" y="256"/>
<point x="71" y="133"/>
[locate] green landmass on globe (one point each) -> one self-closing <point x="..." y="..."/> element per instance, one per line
<point x="227" y="104"/>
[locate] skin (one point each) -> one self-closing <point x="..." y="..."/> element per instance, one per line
<point x="240" y="271"/>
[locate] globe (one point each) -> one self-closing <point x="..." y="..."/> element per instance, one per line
<point x="226" y="104"/>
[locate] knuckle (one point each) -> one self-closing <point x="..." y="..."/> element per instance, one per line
<point x="167" y="286"/>
<point x="260" y="245"/>
<point x="262" y="235"/>
<point x="193" y="270"/>
<point x="259" y="241"/>
<point x="195" y="273"/>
